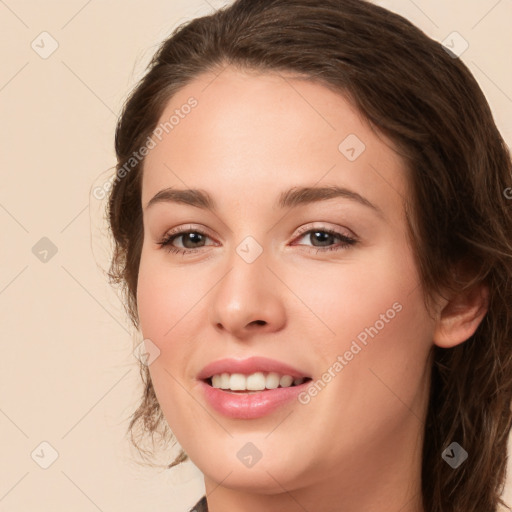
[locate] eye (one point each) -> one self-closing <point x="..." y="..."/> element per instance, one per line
<point x="191" y="239"/>
<point x="325" y="237"/>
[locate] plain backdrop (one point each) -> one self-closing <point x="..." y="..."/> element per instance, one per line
<point x="68" y="378"/>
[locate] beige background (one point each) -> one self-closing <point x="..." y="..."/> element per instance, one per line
<point x="68" y="376"/>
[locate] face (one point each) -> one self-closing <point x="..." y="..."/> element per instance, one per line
<point x="321" y="283"/>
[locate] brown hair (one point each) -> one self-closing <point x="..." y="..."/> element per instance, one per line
<point x="427" y="102"/>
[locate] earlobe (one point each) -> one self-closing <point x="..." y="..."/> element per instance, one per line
<point x="461" y="316"/>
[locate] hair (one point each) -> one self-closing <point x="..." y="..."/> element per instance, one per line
<point x="426" y="101"/>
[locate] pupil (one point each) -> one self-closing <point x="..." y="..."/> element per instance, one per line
<point x="324" y="235"/>
<point x="190" y="236"/>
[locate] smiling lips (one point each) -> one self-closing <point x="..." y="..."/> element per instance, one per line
<point x="250" y="388"/>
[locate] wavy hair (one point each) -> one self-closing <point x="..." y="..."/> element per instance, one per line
<point x="413" y="90"/>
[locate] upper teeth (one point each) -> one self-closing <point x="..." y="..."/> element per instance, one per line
<point x="254" y="382"/>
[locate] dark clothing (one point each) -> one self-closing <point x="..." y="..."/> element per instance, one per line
<point x="200" y="506"/>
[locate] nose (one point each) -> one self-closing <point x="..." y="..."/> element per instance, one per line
<point x="248" y="300"/>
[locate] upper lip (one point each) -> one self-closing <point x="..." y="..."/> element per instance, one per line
<point x="248" y="366"/>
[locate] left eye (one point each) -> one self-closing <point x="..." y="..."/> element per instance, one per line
<point x="325" y="236"/>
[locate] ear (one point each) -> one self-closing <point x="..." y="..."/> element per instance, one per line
<point x="461" y="316"/>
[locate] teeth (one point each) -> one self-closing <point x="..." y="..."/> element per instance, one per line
<point x="237" y="382"/>
<point x="224" y="380"/>
<point x="217" y="381"/>
<point x="272" y="381"/>
<point x="286" y="381"/>
<point x="255" y="382"/>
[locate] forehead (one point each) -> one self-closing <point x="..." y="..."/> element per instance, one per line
<point x="252" y="132"/>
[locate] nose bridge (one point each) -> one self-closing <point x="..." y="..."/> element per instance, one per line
<point x="248" y="295"/>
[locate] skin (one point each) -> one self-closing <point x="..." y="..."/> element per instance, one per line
<point x="357" y="444"/>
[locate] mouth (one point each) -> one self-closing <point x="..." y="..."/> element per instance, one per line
<point x="251" y="375"/>
<point x="256" y="382"/>
<point x="251" y="388"/>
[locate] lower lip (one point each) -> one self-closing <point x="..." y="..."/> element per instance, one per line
<point x="250" y="405"/>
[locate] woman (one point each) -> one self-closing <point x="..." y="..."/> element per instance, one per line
<point x="312" y="225"/>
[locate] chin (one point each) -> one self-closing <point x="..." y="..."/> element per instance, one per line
<point x="268" y="475"/>
<point x="251" y="480"/>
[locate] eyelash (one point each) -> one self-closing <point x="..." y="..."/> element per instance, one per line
<point x="346" y="241"/>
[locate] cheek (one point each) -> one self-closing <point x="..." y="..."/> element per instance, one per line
<point x="367" y="290"/>
<point x="385" y="379"/>
<point x="165" y="300"/>
<point x="376" y="339"/>
<point x="164" y="296"/>
<point x="370" y="313"/>
<point x="164" y="304"/>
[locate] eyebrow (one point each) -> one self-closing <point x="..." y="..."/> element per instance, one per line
<point x="292" y="198"/>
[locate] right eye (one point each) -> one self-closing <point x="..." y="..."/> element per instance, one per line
<point x="188" y="238"/>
